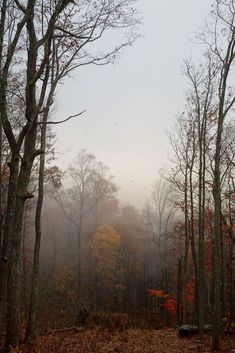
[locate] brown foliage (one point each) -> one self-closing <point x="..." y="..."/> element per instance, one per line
<point x="128" y="341"/>
<point x="117" y="321"/>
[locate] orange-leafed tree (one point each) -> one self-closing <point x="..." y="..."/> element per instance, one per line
<point x="107" y="267"/>
<point x="166" y="301"/>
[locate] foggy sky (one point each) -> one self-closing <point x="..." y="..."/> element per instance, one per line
<point x="131" y="104"/>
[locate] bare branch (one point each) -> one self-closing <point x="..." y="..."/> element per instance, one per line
<point x="61" y="121"/>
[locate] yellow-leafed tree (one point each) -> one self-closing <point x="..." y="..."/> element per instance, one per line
<point x="108" y="265"/>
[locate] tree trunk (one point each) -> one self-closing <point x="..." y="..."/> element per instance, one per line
<point x="31" y="323"/>
<point x="13" y="325"/>
<point x="179" y="292"/>
<point x="7" y="232"/>
<point x="79" y="274"/>
<point x="185" y="259"/>
<point x="217" y="260"/>
<point x="193" y="247"/>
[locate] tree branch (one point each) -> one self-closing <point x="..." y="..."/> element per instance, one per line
<point x="61" y="121"/>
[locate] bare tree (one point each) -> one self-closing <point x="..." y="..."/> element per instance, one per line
<point x="220" y="37"/>
<point x="200" y="101"/>
<point x="30" y="32"/>
<point x="182" y="140"/>
<point x="159" y="215"/>
<point x="91" y="184"/>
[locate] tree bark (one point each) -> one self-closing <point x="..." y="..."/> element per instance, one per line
<point x="13" y="331"/>
<point x="32" y="315"/>
<point x="217" y="260"/>
<point x="7" y="232"/>
<point x="186" y="248"/>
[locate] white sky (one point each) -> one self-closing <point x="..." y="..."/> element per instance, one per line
<point x="132" y="103"/>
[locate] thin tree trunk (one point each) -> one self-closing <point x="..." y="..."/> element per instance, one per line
<point x="193" y="246"/>
<point x="32" y="315"/>
<point x="79" y="274"/>
<point x="179" y="291"/>
<point x="217" y="260"/>
<point x="186" y="247"/>
<point x="201" y="226"/>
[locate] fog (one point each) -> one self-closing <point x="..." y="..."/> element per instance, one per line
<point x="132" y="103"/>
<point x="117" y="158"/>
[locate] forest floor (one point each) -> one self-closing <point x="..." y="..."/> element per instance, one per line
<point x="128" y="341"/>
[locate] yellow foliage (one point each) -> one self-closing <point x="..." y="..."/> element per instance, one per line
<point x="65" y="280"/>
<point x="106" y="248"/>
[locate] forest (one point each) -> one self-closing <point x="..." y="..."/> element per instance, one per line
<point x="80" y="271"/>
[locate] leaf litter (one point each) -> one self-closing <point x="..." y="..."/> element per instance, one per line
<point x="128" y="341"/>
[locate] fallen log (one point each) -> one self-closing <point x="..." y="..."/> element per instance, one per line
<point x="189" y="330"/>
<point x="63" y="329"/>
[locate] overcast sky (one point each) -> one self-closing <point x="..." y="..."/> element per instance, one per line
<point x="131" y="104"/>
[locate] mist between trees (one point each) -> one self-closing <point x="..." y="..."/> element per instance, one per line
<point x="84" y="259"/>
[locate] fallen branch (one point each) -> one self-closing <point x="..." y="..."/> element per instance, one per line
<point x="63" y="329"/>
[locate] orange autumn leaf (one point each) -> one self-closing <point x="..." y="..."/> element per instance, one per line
<point x="157" y="293"/>
<point x="171" y="306"/>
